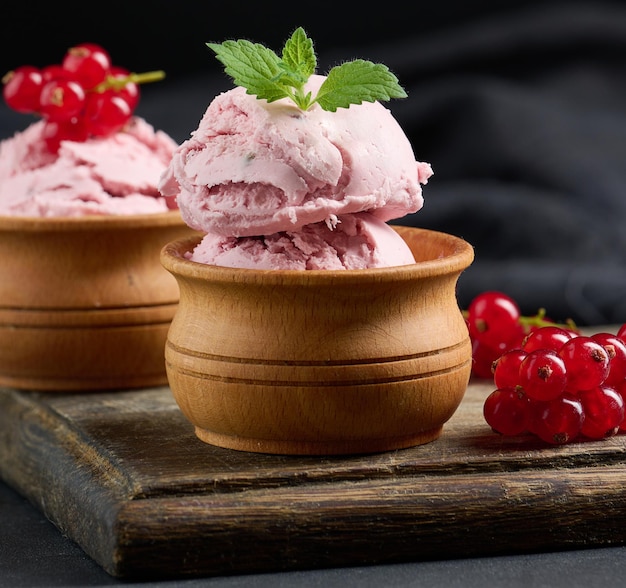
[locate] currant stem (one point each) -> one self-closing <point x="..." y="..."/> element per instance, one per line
<point x="539" y="320"/>
<point x="117" y="83"/>
<point x="147" y="77"/>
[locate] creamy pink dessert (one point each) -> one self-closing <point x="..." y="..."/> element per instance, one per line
<point x="117" y="175"/>
<point x="254" y="168"/>
<point x="274" y="186"/>
<point x="356" y="241"/>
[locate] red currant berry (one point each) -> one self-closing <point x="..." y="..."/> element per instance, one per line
<point x="604" y="412"/>
<point x="69" y="130"/>
<point x="106" y="113"/>
<point x="621" y="390"/>
<point x="61" y="99"/>
<point x="130" y="90"/>
<point x="56" y="72"/>
<point x="616" y="349"/>
<point x="89" y="62"/>
<point x="21" y="89"/>
<point x="506" y="411"/>
<point x="547" y="337"/>
<point x="493" y="318"/>
<point x="542" y="374"/>
<point x="621" y="333"/>
<point x="557" y="421"/>
<point x="506" y="368"/>
<point x="586" y="361"/>
<point x="483" y="357"/>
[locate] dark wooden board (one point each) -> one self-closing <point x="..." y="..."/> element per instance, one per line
<point x="122" y="474"/>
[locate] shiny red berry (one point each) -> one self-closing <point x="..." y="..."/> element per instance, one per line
<point x="130" y="91"/>
<point x="106" y="113"/>
<point x="61" y="99"/>
<point x="547" y="337"/>
<point x="587" y="363"/>
<point x="506" y="411"/>
<point x="604" y="412"/>
<point x="506" y="368"/>
<point x="21" y="89"/>
<point x="616" y="349"/>
<point x="542" y="374"/>
<point x="67" y="130"/>
<point x="493" y="318"/>
<point x="89" y="62"/>
<point x="557" y="421"/>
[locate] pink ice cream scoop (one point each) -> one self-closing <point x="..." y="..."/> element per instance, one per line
<point x="101" y="176"/>
<point x="256" y="168"/>
<point x="357" y="241"/>
<point x="276" y="187"/>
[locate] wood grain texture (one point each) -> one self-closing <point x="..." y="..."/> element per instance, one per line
<point x="85" y="303"/>
<point x="123" y="475"/>
<point x="322" y="361"/>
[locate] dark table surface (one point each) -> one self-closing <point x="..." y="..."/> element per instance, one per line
<point x="33" y="553"/>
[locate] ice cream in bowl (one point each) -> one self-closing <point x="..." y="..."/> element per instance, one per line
<point x="85" y="303"/>
<point x="307" y="323"/>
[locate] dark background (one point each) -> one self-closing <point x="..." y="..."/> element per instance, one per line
<point x="520" y="107"/>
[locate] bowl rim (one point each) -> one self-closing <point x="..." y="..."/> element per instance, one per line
<point x="172" y="258"/>
<point x="89" y="222"/>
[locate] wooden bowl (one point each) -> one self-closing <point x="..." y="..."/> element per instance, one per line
<point x="84" y="302"/>
<point x="320" y="362"/>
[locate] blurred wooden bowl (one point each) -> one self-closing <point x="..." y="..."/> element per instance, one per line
<point x="320" y="362"/>
<point x="84" y="302"/>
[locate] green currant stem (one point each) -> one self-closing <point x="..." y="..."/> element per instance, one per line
<point x="117" y="83"/>
<point x="147" y="77"/>
<point x="539" y="320"/>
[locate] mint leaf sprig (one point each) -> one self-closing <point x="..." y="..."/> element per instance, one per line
<point x="266" y="75"/>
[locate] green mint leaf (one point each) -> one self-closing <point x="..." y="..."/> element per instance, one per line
<point x="262" y="73"/>
<point x="299" y="56"/>
<point x="253" y="66"/>
<point x="358" y="81"/>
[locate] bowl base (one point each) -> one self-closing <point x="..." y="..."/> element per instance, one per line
<point x="84" y="349"/>
<point x="323" y="447"/>
<point x="95" y="384"/>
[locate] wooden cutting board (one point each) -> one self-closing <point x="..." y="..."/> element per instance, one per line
<point x="122" y="474"/>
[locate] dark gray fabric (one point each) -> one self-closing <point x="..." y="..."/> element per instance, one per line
<point x="523" y="117"/>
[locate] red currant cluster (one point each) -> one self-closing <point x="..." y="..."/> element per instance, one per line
<point x="549" y="379"/>
<point x="496" y="325"/>
<point x="84" y="96"/>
